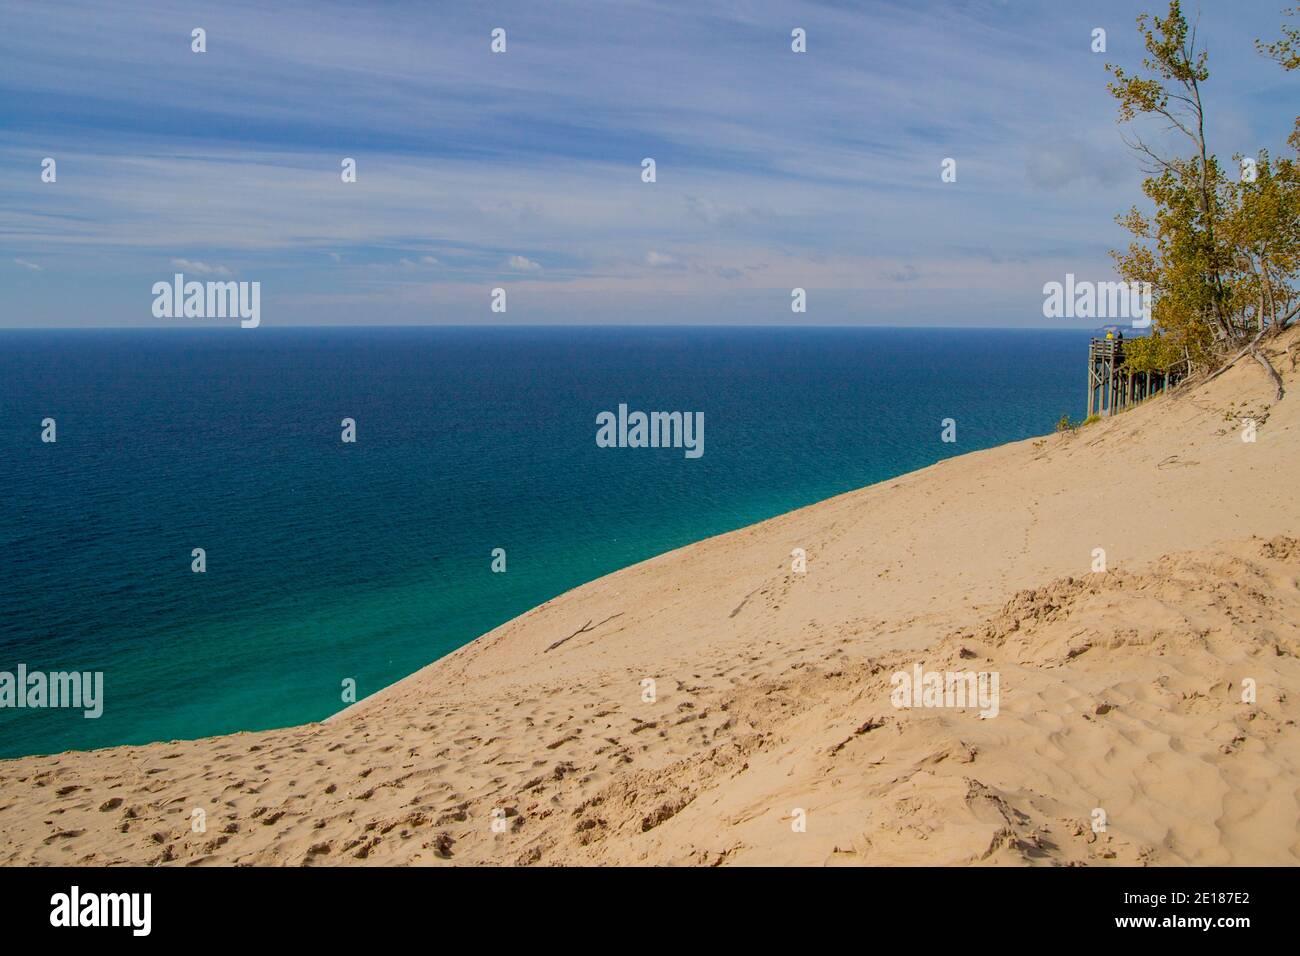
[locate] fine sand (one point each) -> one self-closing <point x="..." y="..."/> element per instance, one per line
<point x="1120" y="692"/>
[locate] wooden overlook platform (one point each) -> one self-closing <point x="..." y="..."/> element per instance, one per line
<point x="1111" y="387"/>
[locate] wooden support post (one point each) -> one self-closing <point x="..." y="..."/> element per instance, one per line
<point x="1092" y="377"/>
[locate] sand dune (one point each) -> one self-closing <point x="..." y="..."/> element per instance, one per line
<point x="1120" y="692"/>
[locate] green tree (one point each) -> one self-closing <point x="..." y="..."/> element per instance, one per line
<point x="1222" y="252"/>
<point x="1286" y="50"/>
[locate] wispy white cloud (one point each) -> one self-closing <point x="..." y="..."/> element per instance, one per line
<point x="28" y="265"/>
<point x="523" y="264"/>
<point x="420" y="263"/>
<point x="201" y="268"/>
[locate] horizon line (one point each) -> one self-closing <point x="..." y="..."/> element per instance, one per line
<point x="545" y="325"/>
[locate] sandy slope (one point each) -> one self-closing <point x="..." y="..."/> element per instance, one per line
<point x="1119" y="691"/>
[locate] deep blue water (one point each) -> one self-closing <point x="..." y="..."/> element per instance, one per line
<point x="328" y="560"/>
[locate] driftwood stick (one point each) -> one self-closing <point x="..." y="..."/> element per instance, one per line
<point x="582" y="630"/>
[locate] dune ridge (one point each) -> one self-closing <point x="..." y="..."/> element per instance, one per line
<point x="1120" y="692"/>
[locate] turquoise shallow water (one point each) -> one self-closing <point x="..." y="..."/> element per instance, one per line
<point x="328" y="561"/>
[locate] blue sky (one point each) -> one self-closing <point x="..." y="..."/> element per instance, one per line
<point x="522" y="170"/>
